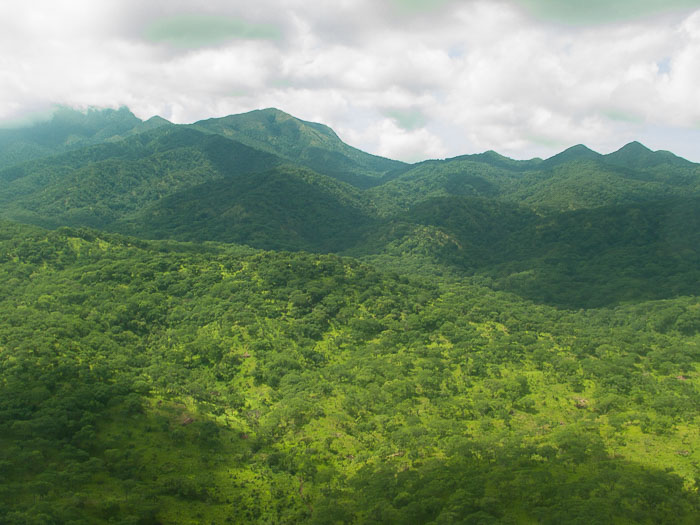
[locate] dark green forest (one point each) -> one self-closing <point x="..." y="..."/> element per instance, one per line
<point x="245" y="320"/>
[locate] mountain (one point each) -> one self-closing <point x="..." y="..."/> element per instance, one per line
<point x="69" y="129"/>
<point x="152" y="123"/>
<point x="572" y="154"/>
<point x="309" y="144"/>
<point x="636" y="155"/>
<point x="540" y="228"/>
<point x="245" y="320"/>
<point x="288" y="208"/>
<point x="99" y="185"/>
<point x="577" y="178"/>
<point x="500" y="161"/>
<point x="162" y="382"/>
<point x="181" y="183"/>
<point x="461" y="176"/>
<point x="573" y="259"/>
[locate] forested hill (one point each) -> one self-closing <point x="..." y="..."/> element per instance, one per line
<point x="574" y="179"/>
<point x="68" y="129"/>
<point x="310" y="144"/>
<point x="579" y="229"/>
<point x="158" y="382"/>
<point x="245" y="320"/>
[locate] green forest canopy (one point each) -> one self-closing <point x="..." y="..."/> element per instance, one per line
<point x="342" y="338"/>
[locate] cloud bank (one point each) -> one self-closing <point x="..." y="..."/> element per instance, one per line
<point x="408" y="79"/>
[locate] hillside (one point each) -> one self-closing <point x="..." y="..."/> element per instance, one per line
<point x="287" y="208"/>
<point x="575" y="259"/>
<point x="579" y="229"/>
<point x="309" y="144"/>
<point x="156" y="382"/>
<point x="574" y="179"/>
<point x="246" y="320"/>
<point x="68" y="129"/>
<point x="100" y="185"/>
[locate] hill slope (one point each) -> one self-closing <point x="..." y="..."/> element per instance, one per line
<point x="68" y="129"/>
<point x="288" y="208"/>
<point x="100" y="185"/>
<point x="514" y="342"/>
<point x="307" y="143"/>
<point x="575" y="179"/>
<point x="157" y="382"/>
<point x="577" y="230"/>
<point x="577" y="259"/>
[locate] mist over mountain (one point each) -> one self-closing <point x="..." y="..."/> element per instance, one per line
<point x="69" y="129"/>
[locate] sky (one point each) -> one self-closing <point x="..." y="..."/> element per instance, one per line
<point x="406" y="79"/>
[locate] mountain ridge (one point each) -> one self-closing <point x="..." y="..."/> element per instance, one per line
<point x="314" y="145"/>
<point x="95" y="121"/>
<point x="67" y="129"/>
<point x="288" y="184"/>
<point x="279" y="329"/>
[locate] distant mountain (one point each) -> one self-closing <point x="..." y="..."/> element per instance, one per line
<point x="151" y="123"/>
<point x="497" y="160"/>
<point x="287" y="207"/>
<point x="636" y="155"/>
<point x="577" y="178"/>
<point x="572" y="154"/>
<point x="69" y="129"/>
<point x="577" y="229"/>
<point x="181" y="183"/>
<point x="461" y="176"/>
<point x="307" y="143"/>
<point x="102" y="184"/>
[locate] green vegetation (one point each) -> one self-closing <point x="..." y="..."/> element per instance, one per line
<point x="247" y="321"/>
<point x="100" y="185"/>
<point x="284" y="208"/>
<point x="309" y="144"/>
<point x="67" y="130"/>
<point x="583" y="258"/>
<point x="575" y="179"/>
<point x="189" y="383"/>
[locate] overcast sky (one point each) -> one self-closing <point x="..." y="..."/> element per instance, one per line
<point x="407" y="79"/>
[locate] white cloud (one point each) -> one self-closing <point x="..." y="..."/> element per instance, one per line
<point x="395" y="142"/>
<point x="404" y="82"/>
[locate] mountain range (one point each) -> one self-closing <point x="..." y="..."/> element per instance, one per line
<point x="550" y="230"/>
<point x="246" y="320"/>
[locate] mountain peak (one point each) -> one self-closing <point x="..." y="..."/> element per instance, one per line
<point x="634" y="147"/>
<point x="580" y="150"/>
<point x="157" y="119"/>
<point x="272" y="111"/>
<point x="494" y="155"/>
<point x="271" y="114"/>
<point x="67" y="128"/>
<point x="574" y="153"/>
<point x="93" y="117"/>
<point x="493" y="158"/>
<point x="311" y="144"/>
<point x="267" y="122"/>
<point x="152" y="123"/>
<point x="277" y="116"/>
<point x="637" y="155"/>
